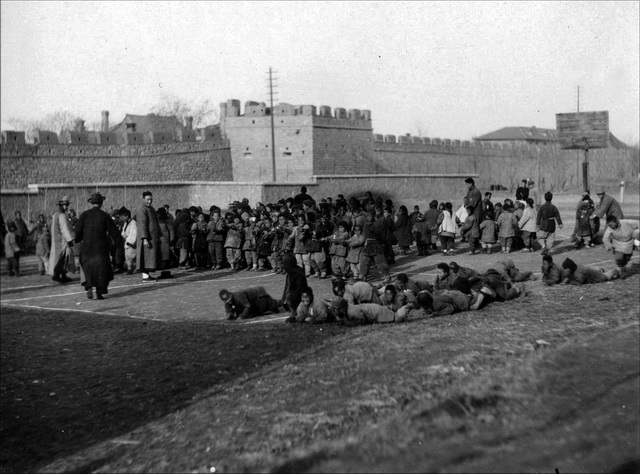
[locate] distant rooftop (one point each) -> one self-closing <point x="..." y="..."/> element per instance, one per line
<point x="149" y="123"/>
<point x="529" y="134"/>
<point x="535" y="135"/>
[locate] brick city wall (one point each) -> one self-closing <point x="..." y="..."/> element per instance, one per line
<point x="507" y="165"/>
<point x="250" y="139"/>
<point x="182" y="161"/>
<point x="344" y="147"/>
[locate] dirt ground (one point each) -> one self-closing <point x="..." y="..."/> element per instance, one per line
<point x="155" y="379"/>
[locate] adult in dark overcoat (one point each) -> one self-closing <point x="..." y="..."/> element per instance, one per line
<point x="148" y="245"/>
<point x="403" y="230"/>
<point x="474" y="199"/>
<point x="98" y="234"/>
<point x="293" y="286"/>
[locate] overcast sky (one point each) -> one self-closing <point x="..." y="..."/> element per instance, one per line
<point x="445" y="69"/>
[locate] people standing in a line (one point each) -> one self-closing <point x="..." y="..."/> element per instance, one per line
<point x="97" y="232"/>
<point x="148" y="248"/>
<point x="548" y="216"/>
<point x="62" y="241"/>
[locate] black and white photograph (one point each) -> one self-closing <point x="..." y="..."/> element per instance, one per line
<point x="319" y="236"/>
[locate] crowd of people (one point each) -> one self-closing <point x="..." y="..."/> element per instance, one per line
<point x="342" y="238"/>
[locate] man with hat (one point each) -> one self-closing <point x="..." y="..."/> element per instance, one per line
<point x="98" y="233"/>
<point x="148" y="248"/>
<point x="62" y="237"/>
<point x="608" y="206"/>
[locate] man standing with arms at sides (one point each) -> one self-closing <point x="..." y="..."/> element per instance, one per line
<point x="97" y="232"/>
<point x="62" y="238"/>
<point x="130" y="236"/>
<point x="148" y="248"/>
<point x="474" y="199"/>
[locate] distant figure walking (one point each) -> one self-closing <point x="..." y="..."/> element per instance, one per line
<point x="98" y="234"/>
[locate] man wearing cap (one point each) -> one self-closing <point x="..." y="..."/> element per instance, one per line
<point x="98" y="233"/>
<point x="62" y="238"/>
<point x="148" y="248"/>
<point x="474" y="199"/>
<point x="608" y="206"/>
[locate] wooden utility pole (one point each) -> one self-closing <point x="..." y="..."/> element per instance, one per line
<point x="577" y="151"/>
<point x="273" y="136"/>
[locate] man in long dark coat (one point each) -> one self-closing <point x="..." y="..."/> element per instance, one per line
<point x="97" y="232"/>
<point x="148" y="248"/>
<point x="474" y="199"/>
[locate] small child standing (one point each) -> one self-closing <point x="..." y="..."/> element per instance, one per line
<point x="249" y="248"/>
<point x="507" y="225"/>
<point x="584" y="225"/>
<point x="447" y="229"/>
<point x="199" y="233"/>
<point x="264" y="241"/>
<point x="338" y="250"/>
<point x="233" y="243"/>
<point x="488" y="229"/>
<point x="12" y="250"/>
<point x="471" y="230"/>
<point x="527" y="224"/>
<point x="548" y="215"/>
<point x="518" y="212"/>
<point x="356" y="245"/>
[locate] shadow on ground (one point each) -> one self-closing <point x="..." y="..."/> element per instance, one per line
<point x="64" y="390"/>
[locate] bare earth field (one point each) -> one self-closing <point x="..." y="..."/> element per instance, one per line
<point x="155" y="379"/>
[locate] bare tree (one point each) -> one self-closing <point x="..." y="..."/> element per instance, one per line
<point x="57" y="122"/>
<point x="203" y="112"/>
